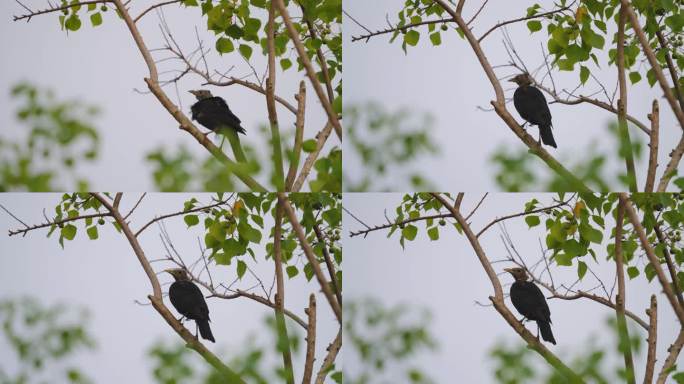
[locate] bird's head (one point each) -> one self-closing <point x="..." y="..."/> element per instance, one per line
<point x="178" y="274"/>
<point x="522" y="79"/>
<point x="202" y="94"/>
<point x="518" y="273"/>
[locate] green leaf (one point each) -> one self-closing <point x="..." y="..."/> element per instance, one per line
<point x="409" y="232"/>
<point x="308" y="271"/>
<point x="584" y="74"/>
<point x="241" y="268"/>
<point x="436" y="38"/>
<point x="634" y="77"/>
<point x="591" y="234"/>
<point x="92" y="232"/>
<point x="96" y="19"/>
<point x="248" y="232"/>
<point x="285" y="64"/>
<point x="292" y="271"/>
<point x="433" y="233"/>
<point x="581" y="269"/>
<point x="534" y="25"/>
<point x="245" y="51"/>
<point x="190" y="3"/>
<point x="68" y="231"/>
<point x="411" y="38"/>
<point x="191" y="220"/>
<point x="632" y="272"/>
<point x="309" y="145"/>
<point x="224" y="45"/>
<point x="563" y="259"/>
<point x="72" y="23"/>
<point x="532" y="221"/>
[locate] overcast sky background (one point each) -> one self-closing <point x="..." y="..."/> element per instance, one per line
<point x="102" y="66"/>
<point x="448" y="82"/>
<point x="105" y="277"/>
<point x="446" y="277"/>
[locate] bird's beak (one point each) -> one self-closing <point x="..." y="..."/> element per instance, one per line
<point x="169" y="271"/>
<point x="512" y="80"/>
<point x="193" y="92"/>
<point x="509" y="270"/>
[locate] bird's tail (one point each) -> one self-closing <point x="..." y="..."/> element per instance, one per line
<point x="547" y="135"/>
<point x="234" y="140"/>
<point x="205" y="330"/>
<point x="544" y="327"/>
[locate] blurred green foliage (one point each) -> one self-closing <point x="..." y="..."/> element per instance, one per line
<point x="60" y="138"/>
<point x="43" y="340"/>
<point x="387" y="144"/>
<point x="519" y="170"/>
<point x="174" y="363"/>
<point x="518" y="364"/>
<point x="385" y="342"/>
<point x="180" y="170"/>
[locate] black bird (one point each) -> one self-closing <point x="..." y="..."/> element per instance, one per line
<point x="213" y="113"/>
<point x="188" y="300"/>
<point x="531" y="104"/>
<point x="529" y="300"/>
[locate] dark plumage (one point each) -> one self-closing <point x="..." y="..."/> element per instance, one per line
<point x="531" y="105"/>
<point x="213" y="112"/>
<point x="188" y="300"/>
<point x="529" y="300"/>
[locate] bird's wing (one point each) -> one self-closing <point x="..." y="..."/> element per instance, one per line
<point x="544" y="311"/>
<point x="187" y="298"/>
<point x="540" y="100"/>
<point x="220" y="105"/>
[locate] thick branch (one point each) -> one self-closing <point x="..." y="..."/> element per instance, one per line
<point x="270" y="101"/>
<point x="308" y="251"/>
<point x="299" y="137"/>
<point x="329" y="360"/>
<point x="672" y="165"/>
<point x="653" y="61"/>
<point x="652" y="258"/>
<point x="671" y="358"/>
<point x="310" y="340"/>
<point x="311" y="73"/>
<point x="624" y="342"/>
<point x="626" y="142"/>
<point x="652" y="313"/>
<point x="280" y="294"/>
<point x="328" y="263"/>
<point x="653" y="147"/>
<point x="321" y="138"/>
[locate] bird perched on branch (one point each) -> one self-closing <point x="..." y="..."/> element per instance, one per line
<point x="213" y="113"/>
<point x="529" y="300"/>
<point x="188" y="300"/>
<point x="531" y="104"/>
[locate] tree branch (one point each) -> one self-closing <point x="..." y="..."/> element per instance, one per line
<point x="652" y="258"/>
<point x="499" y="25"/>
<point x="671" y="359"/>
<point x="310" y="340"/>
<point x="653" y="61"/>
<point x="329" y="360"/>
<point x="311" y="73"/>
<point x="284" y="340"/>
<point x="321" y="138"/>
<point x="624" y="343"/>
<point x="32" y="13"/>
<point x="652" y="313"/>
<point x="308" y="251"/>
<point x="653" y="147"/>
<point x="270" y="102"/>
<point x="625" y="141"/>
<point x="328" y="263"/>
<point x="299" y="137"/>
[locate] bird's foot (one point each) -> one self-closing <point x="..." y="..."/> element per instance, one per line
<point x="181" y="319"/>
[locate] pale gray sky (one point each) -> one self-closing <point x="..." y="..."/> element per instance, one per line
<point x="102" y="66"/>
<point x="448" y="82"/>
<point x="105" y="277"/>
<point x="446" y="277"/>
